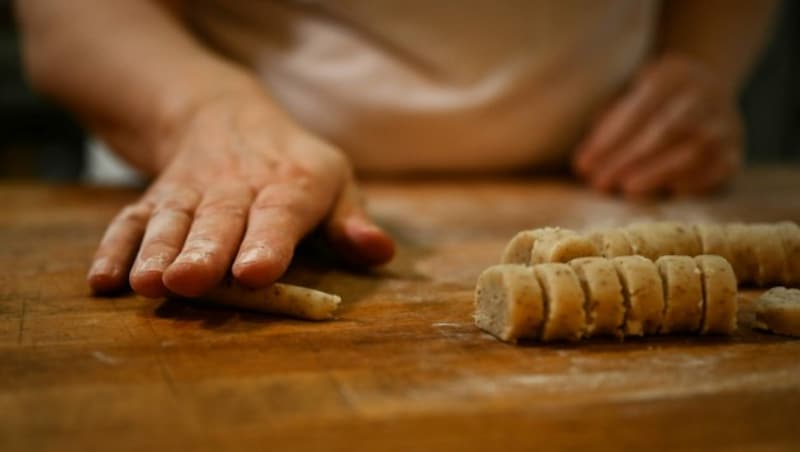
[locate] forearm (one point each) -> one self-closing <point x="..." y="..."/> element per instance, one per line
<point x="129" y="68"/>
<point x="724" y="34"/>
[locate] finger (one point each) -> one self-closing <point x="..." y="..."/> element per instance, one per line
<point x="707" y="178"/>
<point x="662" y="131"/>
<point x="213" y="239"/>
<point x="117" y="249"/>
<point x="279" y="218"/>
<point x="622" y="121"/>
<point x="354" y="235"/>
<point x="163" y="240"/>
<point x="655" y="174"/>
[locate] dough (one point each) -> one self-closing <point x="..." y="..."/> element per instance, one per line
<point x="790" y="236"/>
<point x="644" y="297"/>
<point x="719" y="292"/>
<point x="509" y="303"/>
<point x="565" y="318"/>
<point x="683" y="294"/>
<point x="769" y="254"/>
<point x="640" y="245"/>
<point x="682" y="238"/>
<point x="713" y="240"/>
<point x="560" y="245"/>
<point x="605" y="306"/>
<point x="612" y="243"/>
<point x="293" y="301"/>
<point x="778" y="310"/>
<point x="743" y="251"/>
<point x="518" y="250"/>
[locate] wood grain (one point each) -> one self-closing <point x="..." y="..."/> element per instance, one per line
<point x="401" y="368"/>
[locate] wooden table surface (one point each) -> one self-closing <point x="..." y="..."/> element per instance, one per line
<point x="401" y="368"/>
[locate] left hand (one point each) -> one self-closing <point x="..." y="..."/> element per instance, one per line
<point x="677" y="130"/>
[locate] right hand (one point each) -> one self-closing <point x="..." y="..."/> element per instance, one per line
<point x="243" y="186"/>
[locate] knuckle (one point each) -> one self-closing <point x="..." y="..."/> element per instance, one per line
<point x="137" y="213"/>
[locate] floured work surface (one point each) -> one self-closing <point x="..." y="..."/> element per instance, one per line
<point x="402" y="367"/>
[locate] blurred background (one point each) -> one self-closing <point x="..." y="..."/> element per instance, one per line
<point x="40" y="141"/>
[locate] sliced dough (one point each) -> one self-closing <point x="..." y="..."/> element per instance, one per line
<point x="640" y="245"/>
<point x="683" y="294"/>
<point x="713" y="240"/>
<point x="644" y="297"/>
<point x="719" y="292"/>
<point x="565" y="318"/>
<point x="612" y="243"/>
<point x="285" y="299"/>
<point x="605" y="305"/>
<point x="560" y="245"/>
<point x="778" y="310"/>
<point x="518" y="250"/>
<point x="769" y="254"/>
<point x="790" y="236"/>
<point x="683" y="238"/>
<point x="657" y="237"/>
<point x="509" y="303"/>
<point x="743" y="251"/>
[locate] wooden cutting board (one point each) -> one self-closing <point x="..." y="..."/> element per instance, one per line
<point x="401" y="368"/>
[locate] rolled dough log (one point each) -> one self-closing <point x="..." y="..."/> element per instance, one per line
<point x="612" y="243"/>
<point x="565" y="318"/>
<point x="683" y="294"/>
<point x="605" y="305"/>
<point x="644" y="297"/>
<point x="279" y="298"/>
<point x="770" y="257"/>
<point x="743" y="251"/>
<point x="778" y="310"/>
<point x="719" y="293"/>
<point x="509" y="303"/>
<point x="790" y="236"/>
<point x="560" y="245"/>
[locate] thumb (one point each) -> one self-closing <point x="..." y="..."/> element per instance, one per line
<point x="353" y="234"/>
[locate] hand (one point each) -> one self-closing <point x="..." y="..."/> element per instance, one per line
<point x="243" y="187"/>
<point x="674" y="131"/>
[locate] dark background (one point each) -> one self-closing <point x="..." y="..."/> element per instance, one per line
<point x="38" y="140"/>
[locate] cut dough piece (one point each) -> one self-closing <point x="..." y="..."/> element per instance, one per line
<point x="682" y="237"/>
<point x="778" y="310"/>
<point x="658" y="238"/>
<point x="644" y="297"/>
<point x="605" y="305"/>
<point x="743" y="251"/>
<point x="790" y="236"/>
<point x="518" y="250"/>
<point x="636" y="234"/>
<point x="683" y="294"/>
<point x="509" y="303"/>
<point x="279" y="298"/>
<point x="612" y="243"/>
<point x="769" y="254"/>
<point x="719" y="293"/>
<point x="565" y="318"/>
<point x="560" y="245"/>
<point x="713" y="240"/>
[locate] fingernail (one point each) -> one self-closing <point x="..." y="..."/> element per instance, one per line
<point x="193" y="257"/>
<point x="102" y="266"/>
<point x="259" y="254"/>
<point x="356" y="227"/>
<point x="157" y="263"/>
